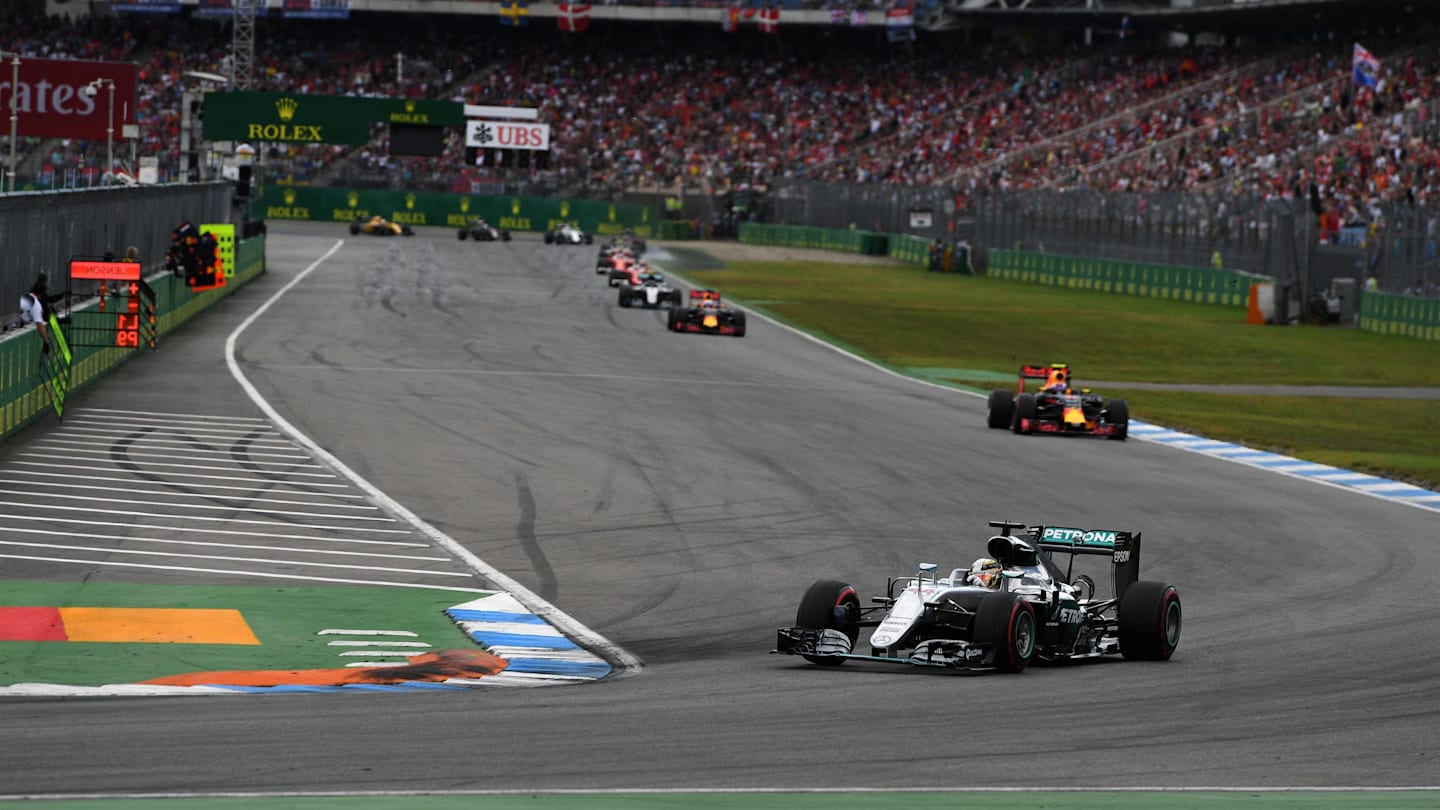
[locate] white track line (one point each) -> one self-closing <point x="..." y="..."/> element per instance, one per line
<point x="169" y="493"/>
<point x="225" y="558"/>
<point x="236" y="532"/>
<point x="626" y="663"/>
<point x="203" y="417"/>
<point x="126" y="538"/>
<point x="274" y="482"/>
<point x="238" y="573"/>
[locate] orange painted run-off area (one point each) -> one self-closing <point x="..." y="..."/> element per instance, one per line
<point x="132" y="625"/>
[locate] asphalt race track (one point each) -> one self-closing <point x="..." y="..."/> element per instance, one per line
<point x="677" y="493"/>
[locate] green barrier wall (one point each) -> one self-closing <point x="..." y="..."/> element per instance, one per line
<point x="24" y="393"/>
<point x="868" y="243"/>
<point x="1400" y="315"/>
<point x="448" y="210"/>
<point x="676" y="229"/>
<point x="910" y="249"/>
<point x="1230" y="288"/>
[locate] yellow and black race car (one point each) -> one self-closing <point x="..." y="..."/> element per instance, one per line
<point x="380" y="226"/>
<point x="707" y="315"/>
<point x="1057" y="407"/>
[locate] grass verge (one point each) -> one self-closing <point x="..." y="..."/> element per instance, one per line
<point x="909" y="318"/>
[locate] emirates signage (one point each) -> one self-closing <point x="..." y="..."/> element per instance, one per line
<point x="50" y="98"/>
<point x="507" y="135"/>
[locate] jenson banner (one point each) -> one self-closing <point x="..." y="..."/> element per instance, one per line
<point x="50" y="99"/>
<point x="300" y="118"/>
<point x="507" y="135"/>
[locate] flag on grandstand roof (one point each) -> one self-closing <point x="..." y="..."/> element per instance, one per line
<point x="900" y="23"/>
<point x="730" y="22"/>
<point x="770" y="19"/>
<point x="515" y="12"/>
<point x="839" y="16"/>
<point x="858" y="18"/>
<point x="1364" y="67"/>
<point x="574" y="16"/>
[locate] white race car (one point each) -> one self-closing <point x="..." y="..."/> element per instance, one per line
<point x="1010" y="608"/>
<point x="568" y="233"/>
<point x="649" y="290"/>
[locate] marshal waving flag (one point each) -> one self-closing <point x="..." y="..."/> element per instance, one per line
<point x="1364" y="67"/>
<point x="574" y="17"/>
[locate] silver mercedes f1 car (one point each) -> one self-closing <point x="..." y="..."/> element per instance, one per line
<point x="1035" y="609"/>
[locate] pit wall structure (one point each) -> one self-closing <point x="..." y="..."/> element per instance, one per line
<point x="27" y="386"/>
<point x="438" y="209"/>
<point x="1383" y="313"/>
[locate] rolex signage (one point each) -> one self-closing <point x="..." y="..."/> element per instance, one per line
<point x="301" y="118"/>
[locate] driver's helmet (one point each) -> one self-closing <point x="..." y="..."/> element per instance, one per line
<point x="985" y="573"/>
<point x="710" y="303"/>
<point x="1055" y="388"/>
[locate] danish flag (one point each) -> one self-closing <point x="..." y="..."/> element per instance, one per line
<point x="574" y="16"/>
<point x="770" y="19"/>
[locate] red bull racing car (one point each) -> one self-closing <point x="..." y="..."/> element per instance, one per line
<point x="707" y="314"/>
<point x="1056" y="407"/>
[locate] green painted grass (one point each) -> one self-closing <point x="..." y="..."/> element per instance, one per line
<point x="937" y="324"/>
<point x="284" y="619"/>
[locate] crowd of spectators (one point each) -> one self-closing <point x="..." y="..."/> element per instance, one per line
<point x="652" y="109"/>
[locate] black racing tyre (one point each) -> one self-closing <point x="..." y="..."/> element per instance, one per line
<point x="639" y="245"/>
<point x="830" y="605"/>
<point x="406" y="230"/>
<point x="550" y="238"/>
<point x="1001" y="408"/>
<point x="463" y="234"/>
<point x="504" y="236"/>
<point x="1118" y="414"/>
<point x="1024" y="409"/>
<point x="625" y="297"/>
<point x="1149" y="621"/>
<point x="354" y="228"/>
<point x="673" y="320"/>
<point x="739" y="324"/>
<point x="1007" y="622"/>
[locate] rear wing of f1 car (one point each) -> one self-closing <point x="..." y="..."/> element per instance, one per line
<point x="1044" y="375"/>
<point x="1123" y="548"/>
<point x="697" y="296"/>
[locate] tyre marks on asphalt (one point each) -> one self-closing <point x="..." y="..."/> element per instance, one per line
<point x="227" y="498"/>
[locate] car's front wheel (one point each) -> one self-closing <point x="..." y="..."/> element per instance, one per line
<point x="1000" y="409"/>
<point x="1024" y="419"/>
<point x="1118" y="414"/>
<point x="1007" y="623"/>
<point x="830" y="605"/>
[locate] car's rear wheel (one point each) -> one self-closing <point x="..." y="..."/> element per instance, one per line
<point x="354" y="228"/>
<point x="1000" y="409"/>
<point x="1118" y="414"/>
<point x="550" y="238"/>
<point x="1149" y="621"/>
<point x="1006" y="622"/>
<point x="462" y="234"/>
<point x="1023" y="421"/>
<point x="830" y="605"/>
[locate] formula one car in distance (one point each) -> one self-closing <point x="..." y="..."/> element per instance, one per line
<point x="482" y="231"/>
<point x="1056" y="407"/>
<point x="380" y="226"/>
<point x="649" y="290"/>
<point x="706" y="313"/>
<point x="1018" y="606"/>
<point x="615" y="258"/>
<point x="568" y="233"/>
<point x="625" y="269"/>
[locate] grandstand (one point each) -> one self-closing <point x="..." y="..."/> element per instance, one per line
<point x="1252" y="102"/>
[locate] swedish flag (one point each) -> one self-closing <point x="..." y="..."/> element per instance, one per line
<point x="515" y="12"/>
